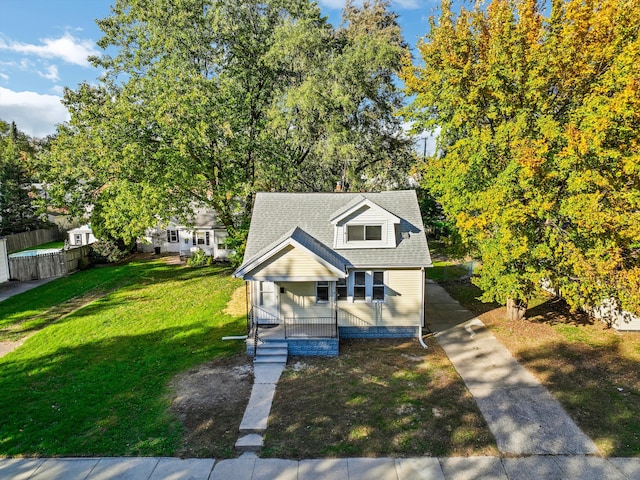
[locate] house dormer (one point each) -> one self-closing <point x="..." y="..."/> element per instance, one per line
<point x="364" y="224"/>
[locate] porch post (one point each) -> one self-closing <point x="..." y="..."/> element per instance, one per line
<point x="246" y="305"/>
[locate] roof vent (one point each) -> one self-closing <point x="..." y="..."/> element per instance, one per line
<point x="406" y="235"/>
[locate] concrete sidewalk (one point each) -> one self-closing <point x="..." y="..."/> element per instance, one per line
<point x="13" y="287"/>
<point x="249" y="467"/>
<point x="522" y="415"/>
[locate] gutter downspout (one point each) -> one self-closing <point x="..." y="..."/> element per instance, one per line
<point x="424" y="345"/>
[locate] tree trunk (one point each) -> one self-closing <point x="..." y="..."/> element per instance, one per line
<point x="516" y="309"/>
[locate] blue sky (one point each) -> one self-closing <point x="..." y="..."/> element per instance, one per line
<point x="44" y="45"/>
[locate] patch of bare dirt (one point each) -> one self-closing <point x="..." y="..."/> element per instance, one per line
<point x="237" y="304"/>
<point x="209" y="401"/>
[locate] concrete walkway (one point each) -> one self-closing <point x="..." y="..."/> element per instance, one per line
<point x="249" y="467"/>
<point x="256" y="415"/>
<point x="13" y="287"/>
<point x="523" y="416"/>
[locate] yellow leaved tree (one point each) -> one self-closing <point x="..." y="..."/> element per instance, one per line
<point x="538" y="155"/>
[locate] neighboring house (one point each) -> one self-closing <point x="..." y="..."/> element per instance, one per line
<point x="82" y="235"/>
<point x="4" y="261"/>
<point x="611" y="314"/>
<point x="204" y="233"/>
<point x="323" y="266"/>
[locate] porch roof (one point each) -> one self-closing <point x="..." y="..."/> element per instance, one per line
<point x="268" y="264"/>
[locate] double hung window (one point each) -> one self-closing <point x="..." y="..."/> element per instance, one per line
<point x="322" y="292"/>
<point x="201" y="238"/>
<point x="341" y="289"/>
<point x="377" y="288"/>
<point x="359" y="285"/>
<point x="172" y="236"/>
<point x="360" y="233"/>
<point x="266" y="294"/>
<point x="362" y="286"/>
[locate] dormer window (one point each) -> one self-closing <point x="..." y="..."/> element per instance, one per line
<point x="359" y="233"/>
<point x="364" y="224"/>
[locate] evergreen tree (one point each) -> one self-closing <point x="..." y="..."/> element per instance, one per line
<point x="18" y="211"/>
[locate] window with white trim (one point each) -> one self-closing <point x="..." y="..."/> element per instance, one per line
<point x="201" y="238"/>
<point x="359" y="285"/>
<point x="341" y="289"/>
<point x="266" y="294"/>
<point x="172" y="236"/>
<point x="322" y="292"/>
<point x="366" y="233"/>
<point x="377" y="288"/>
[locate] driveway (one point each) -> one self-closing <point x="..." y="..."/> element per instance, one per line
<point x="523" y="416"/>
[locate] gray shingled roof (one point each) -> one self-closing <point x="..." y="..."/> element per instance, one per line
<point x="277" y="214"/>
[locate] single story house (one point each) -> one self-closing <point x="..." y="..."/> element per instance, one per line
<point x="82" y="235"/>
<point x="4" y="261"/>
<point x="324" y="266"/>
<point x="203" y="232"/>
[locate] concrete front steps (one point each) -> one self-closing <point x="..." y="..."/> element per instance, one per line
<point x="269" y="363"/>
<point x="272" y="352"/>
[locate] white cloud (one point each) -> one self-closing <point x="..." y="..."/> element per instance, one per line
<point x="34" y="113"/>
<point x="51" y="73"/>
<point x="4" y="76"/>
<point x="67" y="48"/>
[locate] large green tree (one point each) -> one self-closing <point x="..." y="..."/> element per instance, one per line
<point x="538" y="158"/>
<point x="18" y="209"/>
<point x="209" y="101"/>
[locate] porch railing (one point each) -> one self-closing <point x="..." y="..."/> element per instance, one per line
<point x="262" y="316"/>
<point x="310" y="327"/>
<point x="347" y="318"/>
<point x="255" y="318"/>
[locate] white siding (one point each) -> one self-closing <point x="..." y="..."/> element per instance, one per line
<point x="620" y="320"/>
<point x="299" y="300"/>
<point x="366" y="216"/>
<point x="81" y="236"/>
<point x="4" y="261"/>
<point x="290" y="263"/>
<point x="402" y="305"/>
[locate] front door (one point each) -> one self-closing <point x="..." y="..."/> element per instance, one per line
<point x="268" y="302"/>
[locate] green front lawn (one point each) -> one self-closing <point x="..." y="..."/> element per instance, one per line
<point x="95" y="380"/>
<point x="378" y="398"/>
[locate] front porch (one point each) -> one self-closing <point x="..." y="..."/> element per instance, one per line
<point x="314" y="336"/>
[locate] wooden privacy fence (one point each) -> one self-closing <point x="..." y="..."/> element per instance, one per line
<point x="46" y="265"/>
<point x="20" y="241"/>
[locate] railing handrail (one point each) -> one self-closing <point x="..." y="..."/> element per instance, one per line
<point x="352" y="319"/>
<point x="266" y="314"/>
<point x="322" y="327"/>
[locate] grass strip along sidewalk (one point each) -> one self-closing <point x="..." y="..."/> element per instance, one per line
<point x="95" y="381"/>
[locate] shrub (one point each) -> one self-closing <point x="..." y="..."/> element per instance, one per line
<point x="198" y="259"/>
<point x="107" y="251"/>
